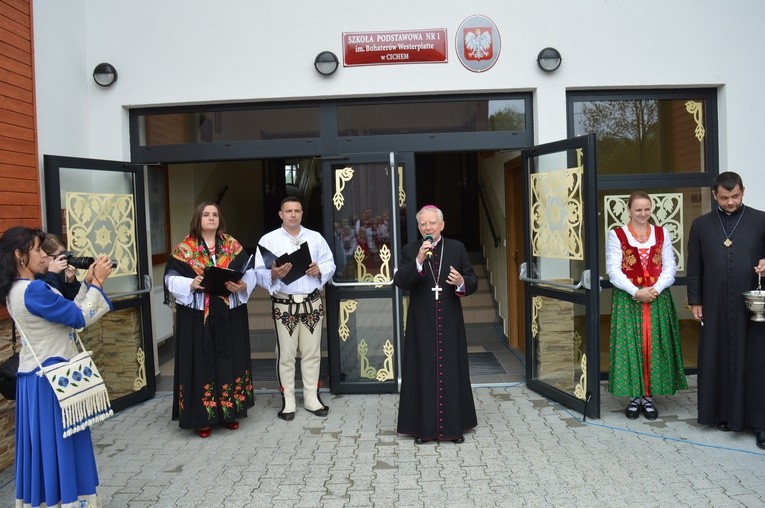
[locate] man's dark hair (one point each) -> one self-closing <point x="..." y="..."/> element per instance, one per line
<point x="728" y="181"/>
<point x="291" y="199"/>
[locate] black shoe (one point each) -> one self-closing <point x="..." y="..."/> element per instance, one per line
<point x="633" y="410"/>
<point x="759" y="436"/>
<point x="320" y="412"/>
<point x="287" y="417"/>
<point x="459" y="440"/>
<point x="723" y="426"/>
<point x="648" y="410"/>
<point x="419" y="440"/>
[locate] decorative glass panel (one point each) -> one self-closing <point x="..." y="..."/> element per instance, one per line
<point x="672" y="207"/>
<point x="98" y="216"/>
<point x="362" y="222"/>
<point x="556" y="208"/>
<point x="117" y="344"/>
<point x="667" y="211"/>
<point x="558" y="332"/>
<point x="366" y="340"/>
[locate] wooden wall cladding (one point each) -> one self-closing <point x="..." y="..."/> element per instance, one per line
<point x="19" y="172"/>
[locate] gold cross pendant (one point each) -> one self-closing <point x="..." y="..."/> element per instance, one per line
<point x="727" y="242"/>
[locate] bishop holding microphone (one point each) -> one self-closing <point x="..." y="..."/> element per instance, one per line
<point x="436" y="401"/>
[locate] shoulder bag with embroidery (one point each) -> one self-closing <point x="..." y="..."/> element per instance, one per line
<point x="79" y="387"/>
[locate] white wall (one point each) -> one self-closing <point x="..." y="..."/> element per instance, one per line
<point x="196" y="51"/>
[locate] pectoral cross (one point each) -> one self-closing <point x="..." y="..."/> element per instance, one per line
<point x="437" y="290"/>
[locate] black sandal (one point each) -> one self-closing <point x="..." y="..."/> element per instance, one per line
<point x="633" y="410"/>
<point x="649" y="411"/>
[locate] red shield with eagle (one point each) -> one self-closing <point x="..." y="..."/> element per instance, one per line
<point x="477" y="43"/>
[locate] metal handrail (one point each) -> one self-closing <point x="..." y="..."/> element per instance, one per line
<point x="147" y="287"/>
<point x="360" y="284"/>
<point x="488" y="216"/>
<point x="585" y="281"/>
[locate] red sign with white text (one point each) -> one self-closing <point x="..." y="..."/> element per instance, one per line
<point x="408" y="46"/>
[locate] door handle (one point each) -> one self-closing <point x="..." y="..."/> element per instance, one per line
<point x="584" y="282"/>
<point x="360" y="284"/>
<point x="146" y="289"/>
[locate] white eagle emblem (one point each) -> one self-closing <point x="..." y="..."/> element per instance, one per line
<point x="478" y="44"/>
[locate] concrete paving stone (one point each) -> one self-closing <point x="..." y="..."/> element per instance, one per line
<point x="330" y="501"/>
<point x="337" y="488"/>
<point x="137" y="503"/>
<point x="361" y="471"/>
<point x="149" y="493"/>
<point x="750" y="500"/>
<point x="360" y="497"/>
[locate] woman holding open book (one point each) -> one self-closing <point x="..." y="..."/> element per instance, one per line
<point x="213" y="371"/>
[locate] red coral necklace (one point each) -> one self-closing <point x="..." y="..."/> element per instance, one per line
<point x="640" y="238"/>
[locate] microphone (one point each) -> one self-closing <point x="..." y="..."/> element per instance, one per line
<point x="428" y="238"/>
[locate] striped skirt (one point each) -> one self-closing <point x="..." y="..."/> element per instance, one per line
<point x="645" y="360"/>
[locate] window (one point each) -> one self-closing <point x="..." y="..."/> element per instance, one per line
<point x="648" y="134"/>
<point x="158" y="214"/>
<point x="432" y="117"/>
<point x="224" y="126"/>
<point x="290" y="173"/>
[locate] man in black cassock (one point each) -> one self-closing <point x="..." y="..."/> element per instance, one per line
<point x="436" y="401"/>
<point x="726" y="248"/>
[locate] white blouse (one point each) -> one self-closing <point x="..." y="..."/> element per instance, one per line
<point x="614" y="260"/>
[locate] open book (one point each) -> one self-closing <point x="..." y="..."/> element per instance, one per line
<point x="215" y="277"/>
<point x="300" y="260"/>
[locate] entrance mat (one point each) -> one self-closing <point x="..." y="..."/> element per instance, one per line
<point x="481" y="364"/>
<point x="485" y="364"/>
<point x="264" y="369"/>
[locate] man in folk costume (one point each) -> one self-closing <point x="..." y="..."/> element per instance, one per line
<point x="436" y="399"/>
<point x="646" y="356"/>
<point x="296" y="307"/>
<point x="726" y="255"/>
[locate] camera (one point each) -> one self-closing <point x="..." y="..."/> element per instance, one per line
<point x="81" y="262"/>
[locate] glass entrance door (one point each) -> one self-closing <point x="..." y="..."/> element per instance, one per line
<point x="561" y="275"/>
<point x="366" y="214"/>
<point x="97" y="207"/>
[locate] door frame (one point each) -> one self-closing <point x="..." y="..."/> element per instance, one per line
<point x="589" y="404"/>
<point x="142" y="298"/>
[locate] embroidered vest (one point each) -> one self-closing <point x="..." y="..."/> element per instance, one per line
<point x="639" y="275"/>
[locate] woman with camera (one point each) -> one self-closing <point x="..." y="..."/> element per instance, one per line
<point x="50" y="470"/>
<point x="58" y="273"/>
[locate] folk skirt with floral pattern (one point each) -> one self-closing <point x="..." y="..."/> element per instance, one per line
<point x="51" y="470"/>
<point x="213" y="367"/>
<point x="666" y="374"/>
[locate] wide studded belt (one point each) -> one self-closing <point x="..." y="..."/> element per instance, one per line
<point x="294" y="302"/>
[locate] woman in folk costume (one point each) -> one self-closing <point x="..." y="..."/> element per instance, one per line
<point x="51" y="470"/>
<point x="646" y="356"/>
<point x="213" y="370"/>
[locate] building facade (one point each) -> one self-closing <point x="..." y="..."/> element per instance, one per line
<point x="213" y="101"/>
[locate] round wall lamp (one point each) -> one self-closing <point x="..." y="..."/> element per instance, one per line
<point x="105" y="74"/>
<point x="549" y="59"/>
<point x="326" y="63"/>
